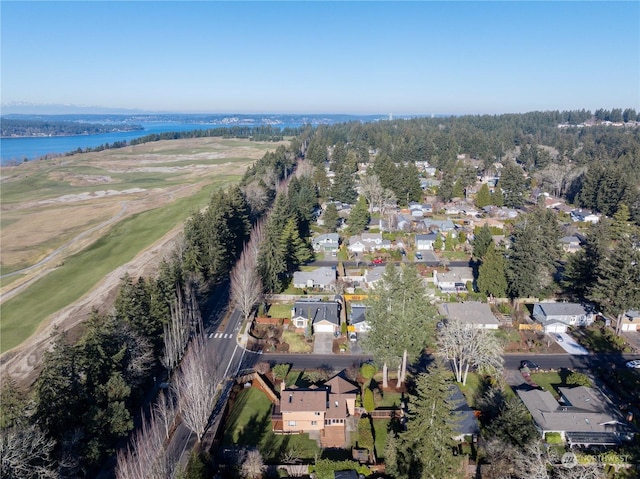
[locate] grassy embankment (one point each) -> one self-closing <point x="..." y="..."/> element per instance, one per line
<point x="172" y="178"/>
<point x="22" y="314"/>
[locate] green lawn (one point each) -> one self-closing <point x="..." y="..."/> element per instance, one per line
<point x="551" y="381"/>
<point x="280" y="310"/>
<point x="472" y="389"/>
<point x="249" y="425"/>
<point x="22" y="314"/>
<point x="390" y="399"/>
<point x="297" y="343"/>
<point x="381" y="430"/>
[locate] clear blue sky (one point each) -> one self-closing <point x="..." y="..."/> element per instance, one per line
<point x="323" y="57"/>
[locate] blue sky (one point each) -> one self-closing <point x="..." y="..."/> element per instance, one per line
<point x="322" y="57"/>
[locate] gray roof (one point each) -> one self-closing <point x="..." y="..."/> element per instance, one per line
<point x="318" y="311"/>
<point x="469" y="312"/>
<point x="550" y="415"/>
<point x="562" y="309"/>
<point x="323" y="276"/>
<point x="467" y="422"/>
<point x="358" y="313"/>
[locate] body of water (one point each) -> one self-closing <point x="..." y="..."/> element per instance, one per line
<point x="16" y="150"/>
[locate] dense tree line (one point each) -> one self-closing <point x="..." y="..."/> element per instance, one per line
<point x="257" y="133"/>
<point x="21" y="128"/>
<point x="594" y="166"/>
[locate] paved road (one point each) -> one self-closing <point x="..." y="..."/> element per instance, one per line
<point x="355" y="264"/>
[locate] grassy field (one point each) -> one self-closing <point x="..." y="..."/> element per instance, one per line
<point x="22" y="314"/>
<point x="106" y="207"/>
<point x="249" y="425"/>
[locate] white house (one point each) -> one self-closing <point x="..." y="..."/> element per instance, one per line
<point x="323" y="278"/>
<point x="584" y="215"/>
<point x="556" y="317"/>
<point x="570" y="244"/>
<point x="358" y="318"/>
<point x="631" y="321"/>
<point x="367" y="242"/>
<point x="373" y="276"/>
<point x="474" y="314"/>
<point x="326" y="243"/>
<point x="425" y="242"/>
<point x="453" y="281"/>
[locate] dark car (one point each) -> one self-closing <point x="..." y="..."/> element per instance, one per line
<point x="529" y="364"/>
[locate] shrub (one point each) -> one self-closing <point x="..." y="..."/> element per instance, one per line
<point x="280" y="371"/>
<point x="365" y="434"/>
<point x="553" y="438"/>
<point x="368" y="370"/>
<point x="263" y="367"/>
<point x="368" y="401"/>
<point x="343" y="328"/>
<point x="578" y="379"/>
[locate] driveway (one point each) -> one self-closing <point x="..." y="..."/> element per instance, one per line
<point x="569" y="344"/>
<point x="633" y="338"/>
<point x="323" y="343"/>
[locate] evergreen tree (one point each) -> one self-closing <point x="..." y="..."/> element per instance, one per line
<point x="331" y="217"/>
<point x="481" y="241"/>
<point x="445" y="190"/>
<point x="492" y="279"/>
<point x="425" y="449"/>
<point x="497" y="197"/>
<point x="513" y="185"/>
<point x="458" y="190"/>
<point x="296" y="251"/>
<point x="617" y="287"/>
<point x="343" y="188"/>
<point x="483" y="197"/>
<point x="359" y="217"/>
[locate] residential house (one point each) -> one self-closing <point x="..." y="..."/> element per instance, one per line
<point x="323" y="316"/>
<point x="326" y="243"/>
<point x="556" y="317"/>
<point x="466" y="421"/>
<point x="631" y="321"/>
<point x="570" y="244"/>
<point x="453" y="281"/>
<point x="323" y="278"/>
<point x="584" y="215"/>
<point x="325" y="410"/>
<point x="367" y="242"/>
<point x="357" y="318"/>
<point x="474" y="314"/>
<point x="425" y="242"/>
<point x="444" y="226"/>
<point x="583" y="416"/>
<point x="373" y="276"/>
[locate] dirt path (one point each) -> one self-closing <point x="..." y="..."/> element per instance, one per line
<point x="22" y="362"/>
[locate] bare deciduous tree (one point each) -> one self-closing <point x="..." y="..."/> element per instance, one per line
<point x="146" y="456"/>
<point x="246" y="284"/>
<point x="25" y="452"/>
<point x="185" y="319"/>
<point x="165" y="411"/>
<point x="466" y="346"/>
<point x="195" y="384"/>
<point x="372" y="190"/>
<point x="252" y="465"/>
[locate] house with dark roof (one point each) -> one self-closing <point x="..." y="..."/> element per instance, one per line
<point x="466" y="422"/>
<point x="631" y="321"/>
<point x="324" y="316"/>
<point x="582" y="416"/>
<point x="357" y="318"/>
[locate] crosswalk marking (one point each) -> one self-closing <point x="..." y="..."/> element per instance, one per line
<point x="220" y="335"/>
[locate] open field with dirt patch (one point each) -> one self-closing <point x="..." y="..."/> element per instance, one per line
<point x="69" y="224"/>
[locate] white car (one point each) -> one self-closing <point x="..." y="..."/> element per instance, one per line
<point x="633" y="364"/>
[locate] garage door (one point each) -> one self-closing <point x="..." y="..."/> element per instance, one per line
<point x="555" y="328"/>
<point x="323" y="328"/>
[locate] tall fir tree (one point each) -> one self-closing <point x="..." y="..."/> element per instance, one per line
<point x="426" y="449"/>
<point x="358" y="219"/>
<point x="492" y="279"/>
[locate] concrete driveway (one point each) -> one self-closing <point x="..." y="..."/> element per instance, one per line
<point x="569" y="344"/>
<point x="322" y="343"/>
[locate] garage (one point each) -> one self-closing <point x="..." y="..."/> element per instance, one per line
<point x="555" y="327"/>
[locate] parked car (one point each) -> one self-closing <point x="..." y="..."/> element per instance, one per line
<point x="559" y="338"/>
<point x="377" y="260"/>
<point x="353" y="336"/>
<point x="529" y="364"/>
<point x="418" y="256"/>
<point x="633" y="364"/>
